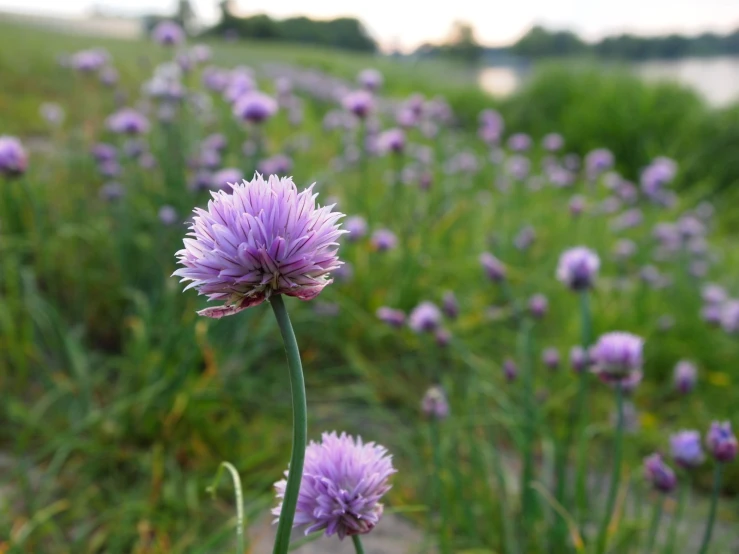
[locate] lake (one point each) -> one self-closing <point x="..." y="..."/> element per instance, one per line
<point x="716" y="79"/>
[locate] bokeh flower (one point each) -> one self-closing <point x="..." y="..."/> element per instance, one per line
<point x="128" y="121"/>
<point x="685" y="376"/>
<point x="435" y="404"/>
<point x="370" y="79"/>
<point x="392" y="140"/>
<point x="391" y="316"/>
<point x="686" y="450"/>
<point x="356" y="227"/>
<point x="538" y="306"/>
<point x="13" y="157"/>
<point x="449" y="305"/>
<point x="659" y="474"/>
<point x="579" y="359"/>
<point x="168" y="33"/>
<point x="384" y="239"/>
<point x="550" y="358"/>
<point x="721" y="442"/>
<point x="343" y="482"/>
<point x="578" y="268"/>
<point x="265" y="238"/>
<point x="493" y="267"/>
<point x="617" y="355"/>
<point x="360" y="103"/>
<point x="255" y="107"/>
<point x="510" y="370"/>
<point x="425" y="317"/>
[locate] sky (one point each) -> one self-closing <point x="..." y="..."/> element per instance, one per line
<point x="407" y="24"/>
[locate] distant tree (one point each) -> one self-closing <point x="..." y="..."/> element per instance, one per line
<point x="540" y="42"/>
<point x="185" y="15"/>
<point x="462" y="43"/>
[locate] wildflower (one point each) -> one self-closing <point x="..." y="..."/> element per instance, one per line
<point x="167" y="215"/>
<point x="359" y="102"/>
<point x="579" y="359"/>
<point x="449" y="305"/>
<point x="434" y="404"/>
<point x="392" y="140"/>
<point x="510" y="370"/>
<point x="168" y="33"/>
<point x="384" y="240"/>
<point x="343" y="482"/>
<point x="553" y="142"/>
<point x="617" y="355"/>
<point x="425" y="317"/>
<point x="255" y="107"/>
<point x="598" y="161"/>
<point x="128" y="121"/>
<point x="550" y="357"/>
<point x="721" y="442"/>
<point x="265" y="238"/>
<point x="538" y="305"/>
<point x="577" y="204"/>
<point x="657" y="472"/>
<point x="394" y="318"/>
<point x="52" y="113"/>
<point x="493" y="267"/>
<point x="442" y="337"/>
<point x="13" y="157"/>
<point x="226" y="177"/>
<point x="730" y="316"/>
<point x="279" y="164"/>
<point x="578" y="268"/>
<point x="356" y="227"/>
<point x="686" y="449"/>
<point x="685" y="375"/>
<point x="370" y="79"/>
<point x="112" y="191"/>
<point x="519" y="142"/>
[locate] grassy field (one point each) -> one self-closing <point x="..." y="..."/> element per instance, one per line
<point x="119" y="402"/>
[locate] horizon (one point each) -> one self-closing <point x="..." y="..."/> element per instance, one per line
<point x="591" y="23"/>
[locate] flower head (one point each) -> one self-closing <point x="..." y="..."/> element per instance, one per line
<point x="617" y="355"/>
<point x="359" y="102"/>
<point x="435" y="404"/>
<point x="449" y="305"/>
<point x="384" y="240"/>
<point x="685" y="375"/>
<point x="370" y="79"/>
<point x="224" y="178"/>
<point x="550" y="357"/>
<point x="657" y="472"/>
<point x="128" y="121"/>
<point x="392" y="140"/>
<point x="553" y="142"/>
<point x="722" y="442"/>
<point x="13" y="157"/>
<point x="394" y="318"/>
<point x="510" y="370"/>
<point x="686" y="449"/>
<point x="579" y="359"/>
<point x="494" y="268"/>
<point x="578" y="268"/>
<point x="343" y="482"/>
<point x="538" y="305"/>
<point x="255" y="107"/>
<point x="425" y="317"/>
<point x="356" y="227"/>
<point x="265" y="238"/>
<point x="168" y="33"/>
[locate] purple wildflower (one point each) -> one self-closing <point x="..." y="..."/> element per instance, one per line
<point x="624" y="249"/>
<point x="686" y="449"/>
<point x="494" y="268"/>
<point x="255" y="107"/>
<point x="730" y="316"/>
<point x="579" y="359"/>
<point x="343" y="482"/>
<point x="344" y="273"/>
<point x="578" y="268"/>
<point x="538" y="305"/>
<point x="226" y="177"/>
<point x="425" y="317"/>
<point x="265" y="238"/>
<point x="510" y="370"/>
<point x="392" y="140"/>
<point x="384" y="240"/>
<point x="168" y="33"/>
<point x="525" y="238"/>
<point x="167" y="215"/>
<point x="370" y="79"/>
<point x="711" y="314"/>
<point x="88" y="61"/>
<point x="360" y="103"/>
<point x="449" y="305"/>
<point x="52" y="113"/>
<point x="553" y="142"/>
<point x="279" y="164"/>
<point x="435" y="404"/>
<point x="598" y="161"/>
<point x="659" y="474"/>
<point x="13" y="157"/>
<point x="519" y="142"/>
<point x="128" y="121"/>
<point x="112" y="192"/>
<point x="577" y="205"/>
<point x="721" y="442"/>
<point x="356" y="227"/>
<point x="442" y="337"/>
<point x="394" y="318"/>
<point x="617" y="355"/>
<point x="550" y="357"/>
<point x="108" y="76"/>
<point x="684" y="376"/>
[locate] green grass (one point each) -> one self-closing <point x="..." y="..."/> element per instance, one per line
<point x="120" y="403"/>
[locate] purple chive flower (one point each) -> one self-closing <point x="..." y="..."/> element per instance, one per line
<point x="359" y="102"/>
<point x="109" y="168"/>
<point x="226" y="177"/>
<point x="578" y="268"/>
<point x="255" y="107"/>
<point x="730" y="316"/>
<point x="13" y="157"/>
<point x="392" y="140"/>
<point x="624" y="249"/>
<point x="128" y="121"/>
<point x="519" y="142"/>
<point x="659" y="474"/>
<point x="384" y="240"/>
<point x="370" y="79"/>
<point x="656" y="175"/>
<point x="721" y="442"/>
<point x="215" y="78"/>
<point x="577" y="204"/>
<point x="200" y="53"/>
<point x="553" y="142"/>
<point x="629" y="383"/>
<point x="168" y="33"/>
<point x="711" y="314"/>
<point x="713" y="294"/>
<point x="356" y="227"/>
<point x="343" y="482"/>
<point x="525" y="238"/>
<point x="510" y="371"/>
<point x="442" y="337"/>
<point x="686" y="450"/>
<point x="394" y="318"/>
<point x="110" y="192"/>
<point x="265" y="238"/>
<point x="685" y="376"/>
<point x="538" y="305"/>
<point x="167" y="215"/>
<point x="435" y="404"/>
<point x="598" y="161"/>
<point x="88" y="61"/>
<point x="108" y="76"/>
<point x="279" y="164"/>
<point x="494" y="268"/>
<point x="344" y="273"/>
<point x="617" y="355"/>
<point x="52" y="113"/>
<point x="449" y="305"/>
<point x="425" y="317"/>
<point x="579" y="359"/>
<point x="628" y="220"/>
<point x="550" y="357"/>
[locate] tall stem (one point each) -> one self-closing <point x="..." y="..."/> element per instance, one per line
<point x="357" y="544"/>
<point x="712" y="514"/>
<point x="684" y="492"/>
<point x="438" y="490"/>
<point x="300" y="426"/>
<point x="656" y="516"/>
<point x="527" y="475"/>
<point x="615" y="476"/>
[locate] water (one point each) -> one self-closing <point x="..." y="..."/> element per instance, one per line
<point x="716" y="79"/>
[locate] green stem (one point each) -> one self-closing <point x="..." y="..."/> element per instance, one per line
<point x="581" y="470"/>
<point x="656" y="516"/>
<point x="357" y="544"/>
<point x="615" y="476"/>
<point x="438" y="492"/>
<point x="684" y="492"/>
<point x="712" y="514"/>
<point x="300" y="426"/>
<point x="527" y="475"/>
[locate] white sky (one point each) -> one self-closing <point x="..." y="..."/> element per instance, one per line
<point x="498" y="22"/>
